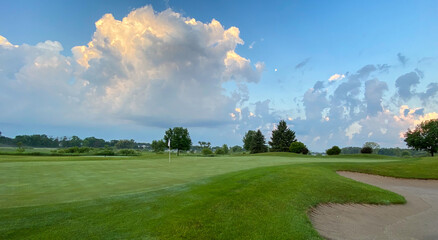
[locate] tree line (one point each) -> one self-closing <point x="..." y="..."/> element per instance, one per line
<point x="44" y="141"/>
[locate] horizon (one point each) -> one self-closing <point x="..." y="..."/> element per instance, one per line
<point x="340" y="73"/>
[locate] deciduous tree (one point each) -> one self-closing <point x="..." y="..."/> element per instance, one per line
<point x="179" y="139"/>
<point x="424" y="137"/>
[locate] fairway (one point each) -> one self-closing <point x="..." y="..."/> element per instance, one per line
<point x="39" y="180"/>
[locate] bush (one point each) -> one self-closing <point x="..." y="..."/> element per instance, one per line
<point x="405" y="154"/>
<point x="106" y="152"/>
<point x="366" y="150"/>
<point x="206" y="151"/>
<point x="127" y="152"/>
<point x="219" y="151"/>
<point x="305" y="151"/>
<point x="297" y="147"/>
<point x="335" y="150"/>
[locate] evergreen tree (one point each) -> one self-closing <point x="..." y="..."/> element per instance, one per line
<point x="281" y="138"/>
<point x="258" y="143"/>
<point x="247" y="139"/>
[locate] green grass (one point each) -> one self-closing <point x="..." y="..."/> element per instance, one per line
<point x="262" y="196"/>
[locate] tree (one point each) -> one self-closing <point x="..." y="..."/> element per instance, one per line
<point x="373" y="145"/>
<point x="366" y="150"/>
<point x="204" y="144"/>
<point x="158" y="145"/>
<point x="335" y="150"/>
<point x="94" y="142"/>
<point x="179" y="139"/>
<point x="258" y="143"/>
<point x="225" y="148"/>
<point x="282" y="137"/>
<point x="247" y="139"/>
<point x="236" y="148"/>
<point x="424" y="137"/>
<point x="125" y="144"/>
<point x="298" y="147"/>
<point x="219" y="151"/>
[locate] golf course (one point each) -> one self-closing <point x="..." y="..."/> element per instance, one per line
<point x="241" y="196"/>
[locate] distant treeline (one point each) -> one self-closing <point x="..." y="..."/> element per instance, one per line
<point x="397" y="152"/>
<point x="42" y="140"/>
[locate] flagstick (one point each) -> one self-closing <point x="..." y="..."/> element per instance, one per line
<point x="168" y="144"/>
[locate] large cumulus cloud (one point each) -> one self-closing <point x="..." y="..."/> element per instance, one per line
<point x="155" y="69"/>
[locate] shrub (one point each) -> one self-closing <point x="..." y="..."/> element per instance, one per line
<point x="305" y="151"/>
<point x="127" y="152"/>
<point x="405" y="154"/>
<point x="297" y="147"/>
<point x="206" y="151"/>
<point x="335" y="150"/>
<point x="219" y="151"/>
<point x="366" y="150"/>
<point x="106" y="152"/>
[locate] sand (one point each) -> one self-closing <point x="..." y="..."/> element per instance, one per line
<point x="417" y="219"/>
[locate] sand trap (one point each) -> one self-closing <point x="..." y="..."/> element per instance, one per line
<point x="417" y="219"/>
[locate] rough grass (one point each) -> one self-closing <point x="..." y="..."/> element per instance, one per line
<point x="268" y="202"/>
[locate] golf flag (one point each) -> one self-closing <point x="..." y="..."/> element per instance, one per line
<point x="168" y="144"/>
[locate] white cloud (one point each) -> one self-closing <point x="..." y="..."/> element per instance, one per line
<point x="156" y="69"/>
<point x="251" y="46"/>
<point x="354" y="128"/>
<point x="336" y="77"/>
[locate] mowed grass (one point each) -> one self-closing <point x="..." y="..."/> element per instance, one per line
<point x="39" y="180"/>
<point x="245" y="198"/>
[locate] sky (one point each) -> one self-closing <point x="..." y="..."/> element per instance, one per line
<point x="338" y="72"/>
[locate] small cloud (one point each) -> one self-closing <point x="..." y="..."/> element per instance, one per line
<point x="402" y="59"/>
<point x="354" y="128"/>
<point x="336" y="77"/>
<point x="238" y="110"/>
<point x="405" y="83"/>
<point x="302" y="63"/>
<point x="289" y="118"/>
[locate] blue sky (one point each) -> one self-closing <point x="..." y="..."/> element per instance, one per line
<point x="381" y="57"/>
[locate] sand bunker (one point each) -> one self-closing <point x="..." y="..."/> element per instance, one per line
<point x="417" y="219"/>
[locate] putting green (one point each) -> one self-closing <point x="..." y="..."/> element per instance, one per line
<point x="40" y="180"/>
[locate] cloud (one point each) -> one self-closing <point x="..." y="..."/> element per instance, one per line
<point x="314" y="102"/>
<point x="302" y="63"/>
<point x="318" y="85"/>
<point x="405" y="83"/>
<point x="37" y="80"/>
<point x="150" y="68"/>
<point x="374" y="95"/>
<point x="4" y="42"/>
<point x="402" y="59"/>
<point x="429" y="94"/>
<point x="336" y="77"/>
<point x="354" y="128"/>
